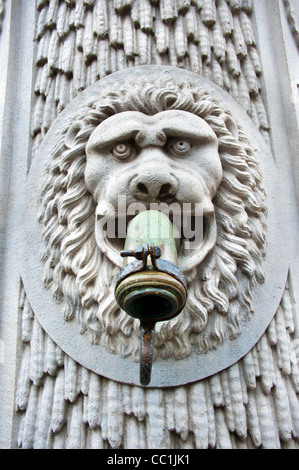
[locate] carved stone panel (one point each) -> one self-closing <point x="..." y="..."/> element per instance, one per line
<point x="112" y="107"/>
<point x="78" y="177"/>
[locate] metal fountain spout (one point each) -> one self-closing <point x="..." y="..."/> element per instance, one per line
<point x="150" y="288"/>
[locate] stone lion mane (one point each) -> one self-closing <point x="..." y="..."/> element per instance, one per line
<point x="81" y="277"/>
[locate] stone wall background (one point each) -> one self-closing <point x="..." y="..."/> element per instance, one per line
<point x="83" y="41"/>
<point x="252" y="404"/>
<point x="53" y="401"/>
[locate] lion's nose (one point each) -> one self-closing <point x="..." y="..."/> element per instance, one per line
<point x="154" y="185"/>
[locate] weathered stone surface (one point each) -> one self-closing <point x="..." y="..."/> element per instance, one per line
<point x="57" y="386"/>
<point x="239" y="245"/>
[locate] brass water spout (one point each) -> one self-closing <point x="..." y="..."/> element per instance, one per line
<point x="151" y="288"/>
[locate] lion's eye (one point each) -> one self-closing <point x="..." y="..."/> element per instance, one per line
<point x="180" y="148"/>
<point x="122" y="151"/>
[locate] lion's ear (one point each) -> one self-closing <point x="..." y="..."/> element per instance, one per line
<point x="232" y="126"/>
<point x="72" y="133"/>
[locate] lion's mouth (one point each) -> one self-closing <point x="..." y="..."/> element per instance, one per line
<point x="194" y="235"/>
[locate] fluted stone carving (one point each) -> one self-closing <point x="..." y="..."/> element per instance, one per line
<point x="252" y="404"/>
<point x="80" y="42"/>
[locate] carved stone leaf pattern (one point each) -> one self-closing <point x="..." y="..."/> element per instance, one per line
<point x="252" y="404"/>
<point x="80" y="42"/>
<point x="60" y="404"/>
<point x="1" y="13"/>
<point x="292" y="13"/>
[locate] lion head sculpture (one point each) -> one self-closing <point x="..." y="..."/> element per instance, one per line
<point x="81" y="274"/>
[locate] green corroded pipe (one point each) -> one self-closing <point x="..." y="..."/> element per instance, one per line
<point x="152" y="227"/>
<point x="150" y="288"/>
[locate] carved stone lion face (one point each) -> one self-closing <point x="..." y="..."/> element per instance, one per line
<point x="170" y="157"/>
<point x="154" y="140"/>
